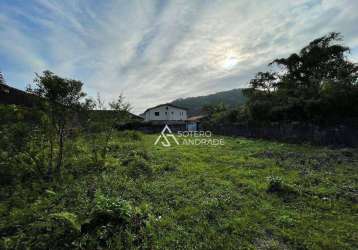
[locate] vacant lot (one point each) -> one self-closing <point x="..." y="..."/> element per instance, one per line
<point x="247" y="194"/>
<point x="252" y="193"/>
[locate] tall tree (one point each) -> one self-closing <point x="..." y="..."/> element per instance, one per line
<point x="61" y="100"/>
<point x="2" y="80"/>
<point x="317" y="84"/>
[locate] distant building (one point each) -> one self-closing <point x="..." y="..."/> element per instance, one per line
<point x="165" y="112"/>
<point x="176" y="117"/>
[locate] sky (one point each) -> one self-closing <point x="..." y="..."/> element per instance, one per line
<point x="154" y="51"/>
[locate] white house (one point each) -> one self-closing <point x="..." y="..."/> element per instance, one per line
<point x="165" y="112"/>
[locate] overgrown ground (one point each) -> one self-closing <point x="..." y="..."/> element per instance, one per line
<point x="255" y="194"/>
<point x="247" y="194"/>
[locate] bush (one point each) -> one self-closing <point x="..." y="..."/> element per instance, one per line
<point x="54" y="231"/>
<point x="277" y="185"/>
<point x="136" y="163"/>
<point x="120" y="208"/>
<point x="115" y="224"/>
<point x="138" y="167"/>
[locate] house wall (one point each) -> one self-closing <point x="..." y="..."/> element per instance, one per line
<point x="166" y="113"/>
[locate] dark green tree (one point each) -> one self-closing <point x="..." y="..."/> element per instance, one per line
<point x="60" y="98"/>
<point x="319" y="84"/>
<point x="2" y="80"/>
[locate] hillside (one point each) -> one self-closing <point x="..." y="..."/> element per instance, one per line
<point x="231" y="98"/>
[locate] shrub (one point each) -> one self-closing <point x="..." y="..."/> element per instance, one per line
<point x="120" y="208"/>
<point x="136" y="163"/>
<point x="54" y="231"/>
<point x="139" y="167"/>
<point x="277" y="185"/>
<point x="115" y="224"/>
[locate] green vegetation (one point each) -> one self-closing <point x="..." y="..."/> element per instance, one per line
<point x="198" y="105"/>
<point x="69" y="179"/>
<point x="2" y="81"/>
<point x="318" y="85"/>
<point x="245" y="194"/>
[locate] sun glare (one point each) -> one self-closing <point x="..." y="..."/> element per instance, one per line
<point x="230" y="62"/>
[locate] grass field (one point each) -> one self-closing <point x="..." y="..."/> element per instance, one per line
<point x="254" y="194"/>
<point x="247" y="194"/>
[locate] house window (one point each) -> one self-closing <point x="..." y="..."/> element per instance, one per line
<point x="156" y="113"/>
<point x="172" y="113"/>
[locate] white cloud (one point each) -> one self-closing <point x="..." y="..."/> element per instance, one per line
<point x="156" y="51"/>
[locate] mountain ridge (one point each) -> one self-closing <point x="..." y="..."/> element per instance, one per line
<point x="230" y="98"/>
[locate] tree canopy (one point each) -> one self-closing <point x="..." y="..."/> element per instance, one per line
<point x="318" y="84"/>
<point x="2" y="81"/>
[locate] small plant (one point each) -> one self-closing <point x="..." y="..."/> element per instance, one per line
<point x="136" y="163"/>
<point x="50" y="231"/>
<point x="275" y="184"/>
<point x="115" y="224"/>
<point x="121" y="208"/>
<point x="139" y="167"/>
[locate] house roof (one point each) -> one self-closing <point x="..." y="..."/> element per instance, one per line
<point x="10" y="95"/>
<point x="196" y="118"/>
<point x="166" y="104"/>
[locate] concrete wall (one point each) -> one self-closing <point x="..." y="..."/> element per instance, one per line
<point x="346" y="136"/>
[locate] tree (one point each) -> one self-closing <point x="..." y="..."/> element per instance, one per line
<point x="2" y="80"/>
<point x="61" y="101"/>
<point x="317" y="84"/>
<point x="101" y="123"/>
<point x="265" y="81"/>
<point x="23" y="144"/>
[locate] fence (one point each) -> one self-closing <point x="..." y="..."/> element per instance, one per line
<point x="295" y="133"/>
